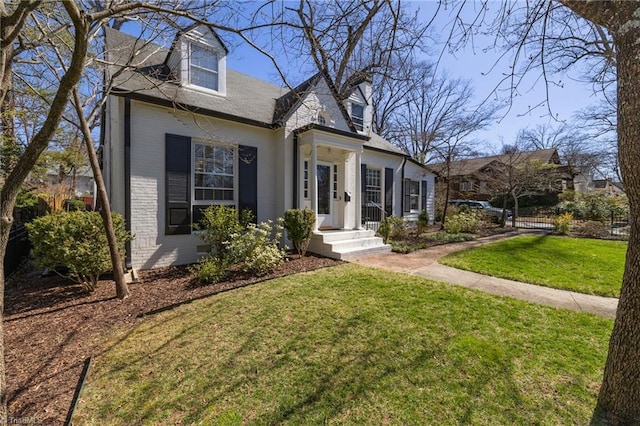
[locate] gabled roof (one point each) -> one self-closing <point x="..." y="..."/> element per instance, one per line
<point x="248" y="99"/>
<point x="473" y="165"/>
<point x="140" y="71"/>
<point x="287" y="104"/>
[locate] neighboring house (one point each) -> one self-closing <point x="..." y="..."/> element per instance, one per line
<point x="472" y="178"/>
<point x="182" y="132"/>
<point x="80" y="184"/>
<point x="608" y="187"/>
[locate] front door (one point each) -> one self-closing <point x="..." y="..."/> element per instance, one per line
<point x="325" y="205"/>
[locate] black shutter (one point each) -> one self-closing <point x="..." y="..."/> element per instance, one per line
<point x="423" y="192"/>
<point x="248" y="179"/>
<point x="407" y="196"/>
<point x="388" y="191"/>
<point x="178" y="184"/>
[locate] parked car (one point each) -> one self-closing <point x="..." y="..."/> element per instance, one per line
<point x="483" y="206"/>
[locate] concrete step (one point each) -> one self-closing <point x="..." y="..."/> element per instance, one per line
<point x="347" y="244"/>
<point x="343" y="234"/>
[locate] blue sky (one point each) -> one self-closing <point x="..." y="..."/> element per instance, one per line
<point x="472" y="64"/>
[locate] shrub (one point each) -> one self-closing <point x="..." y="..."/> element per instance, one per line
<point x="210" y="270"/>
<point x="462" y="222"/>
<point x="448" y="238"/>
<point x="76" y="241"/>
<point x="593" y="229"/>
<point x="423" y="221"/>
<point x="562" y="223"/>
<point x="73" y="205"/>
<point x="392" y="227"/>
<point x="256" y="250"/>
<point x="299" y="226"/>
<point x="218" y="223"/>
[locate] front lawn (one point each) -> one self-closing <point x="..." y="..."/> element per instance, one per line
<point x="351" y="345"/>
<point x="578" y="264"/>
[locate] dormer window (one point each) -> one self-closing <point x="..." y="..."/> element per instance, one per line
<point x="203" y="67"/>
<point x="357" y="116"/>
<point x="198" y="58"/>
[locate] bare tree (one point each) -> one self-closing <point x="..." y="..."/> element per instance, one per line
<point x="30" y="28"/>
<point x="576" y="149"/>
<point x="549" y="36"/>
<point x="349" y="39"/>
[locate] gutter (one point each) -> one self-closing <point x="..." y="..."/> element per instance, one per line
<point x="127" y="177"/>
<point x="295" y="171"/>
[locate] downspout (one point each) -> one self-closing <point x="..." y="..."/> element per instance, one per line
<point x="127" y="177"/>
<point x="295" y="171"/>
<point x="404" y="162"/>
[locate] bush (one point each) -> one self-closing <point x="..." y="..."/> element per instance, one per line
<point x="392" y="227"/>
<point x="210" y="270"/>
<point x="562" y="223"/>
<point x="255" y="250"/>
<point x="76" y="241"/>
<point x="593" y="229"/>
<point x="73" y="205"/>
<point x="218" y="224"/>
<point x="299" y="226"/>
<point x="448" y="238"/>
<point x="462" y="222"/>
<point x="423" y="221"/>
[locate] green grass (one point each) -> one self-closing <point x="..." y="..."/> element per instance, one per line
<point x="578" y="264"/>
<point x="350" y="345"/>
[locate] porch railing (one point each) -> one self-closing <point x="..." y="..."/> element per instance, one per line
<point x="372" y="215"/>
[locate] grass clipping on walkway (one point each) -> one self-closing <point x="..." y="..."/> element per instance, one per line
<point x="350" y="345"/>
<point x="578" y="264"/>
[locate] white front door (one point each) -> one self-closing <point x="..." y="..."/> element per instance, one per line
<point x="325" y="198"/>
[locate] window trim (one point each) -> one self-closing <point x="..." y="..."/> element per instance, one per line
<point x="371" y="188"/>
<point x="358" y="121"/>
<point x="196" y="202"/>
<point x="412" y="185"/>
<point x="466" y="186"/>
<point x="186" y="67"/>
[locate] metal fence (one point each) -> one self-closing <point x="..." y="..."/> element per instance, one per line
<point x="372" y="215"/>
<point x="612" y="223"/>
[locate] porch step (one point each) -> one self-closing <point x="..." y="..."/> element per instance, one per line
<point x="347" y="244"/>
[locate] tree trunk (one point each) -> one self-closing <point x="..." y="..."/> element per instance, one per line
<point x="122" y="290"/>
<point x="36" y="146"/>
<point x="619" y="397"/>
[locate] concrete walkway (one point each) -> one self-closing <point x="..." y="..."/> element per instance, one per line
<point x="425" y="264"/>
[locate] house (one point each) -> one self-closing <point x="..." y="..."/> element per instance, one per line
<point x="182" y="131"/>
<point x="473" y="178"/>
<point x="608" y="187"/>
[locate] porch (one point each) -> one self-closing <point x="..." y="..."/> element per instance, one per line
<point x="346" y="244"/>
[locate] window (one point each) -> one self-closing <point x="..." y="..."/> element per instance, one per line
<point x="466" y="186"/>
<point x="214" y="177"/>
<point x="373" y="189"/>
<point x="203" y="67"/>
<point x="414" y="194"/>
<point x="321" y="120"/>
<point x="357" y="116"/>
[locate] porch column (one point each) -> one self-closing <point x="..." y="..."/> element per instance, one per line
<point x="313" y="182"/>
<point x="358" y="194"/>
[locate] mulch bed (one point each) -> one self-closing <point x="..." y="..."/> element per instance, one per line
<point x="52" y="326"/>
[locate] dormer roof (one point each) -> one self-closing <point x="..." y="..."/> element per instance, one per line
<point x="141" y="72"/>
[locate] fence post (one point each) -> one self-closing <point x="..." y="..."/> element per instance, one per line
<point x="611" y="227"/>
